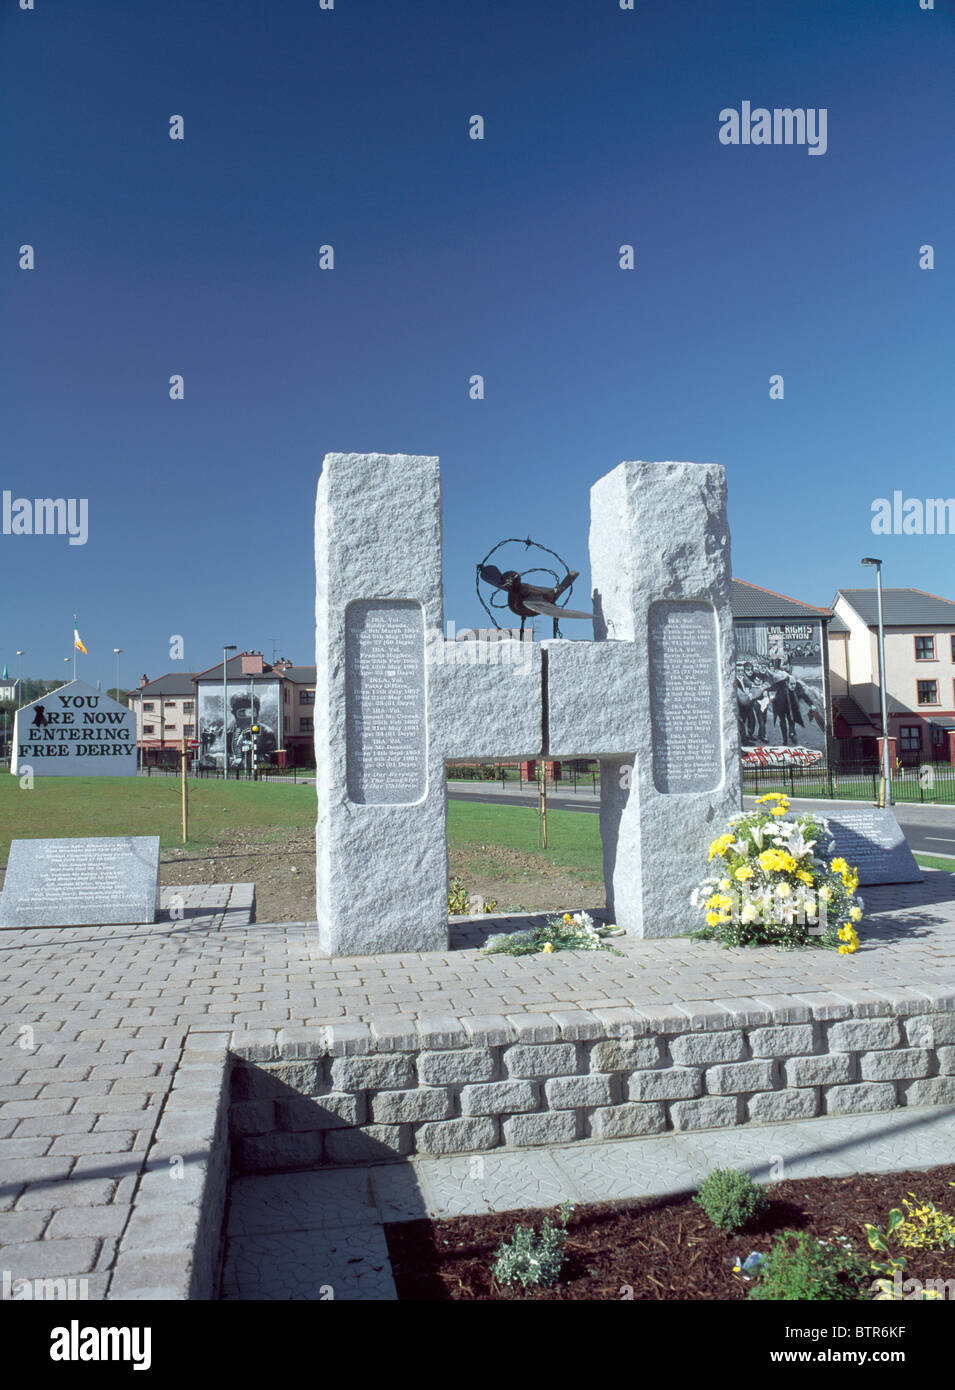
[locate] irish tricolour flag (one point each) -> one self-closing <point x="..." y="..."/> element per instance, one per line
<point x="77" y="639"/>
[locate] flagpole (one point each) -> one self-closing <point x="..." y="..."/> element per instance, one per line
<point x="74" y="646"/>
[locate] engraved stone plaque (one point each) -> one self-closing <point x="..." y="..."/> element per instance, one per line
<point x="872" y="841"/>
<point x="68" y="883"/>
<point x="385" y="702"/>
<point x="685" y="697"/>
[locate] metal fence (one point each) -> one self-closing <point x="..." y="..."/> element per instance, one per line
<point x="236" y="774"/>
<point x="572" y="777"/>
<point x="930" y="783"/>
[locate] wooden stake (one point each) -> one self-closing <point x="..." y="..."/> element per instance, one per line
<point x="185" y="796"/>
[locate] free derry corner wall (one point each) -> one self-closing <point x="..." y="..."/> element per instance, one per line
<point x="75" y="731"/>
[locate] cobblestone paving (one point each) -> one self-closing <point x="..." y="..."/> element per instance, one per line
<point x="92" y="1021"/>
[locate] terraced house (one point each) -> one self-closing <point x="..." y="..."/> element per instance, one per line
<point x="919" y="672"/>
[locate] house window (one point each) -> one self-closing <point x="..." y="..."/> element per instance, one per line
<point x="910" y="739"/>
<point x="148" y="728"/>
<point x="189" y="730"/>
<point x="953" y="647"/>
<point x="148" y="705"/>
<point x="927" y="692"/>
<point x="306" y="697"/>
<point x="925" y="649"/>
<point x="305" y="726"/>
<point x="188" y="707"/>
<point x="170" y="726"/>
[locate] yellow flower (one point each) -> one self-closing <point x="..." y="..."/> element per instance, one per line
<point x="774" y="796"/>
<point x="855" y="914"/>
<point x="845" y="950"/>
<point x="839" y="866"/>
<point x="776" y="861"/>
<point x="711" y="919"/>
<point x="778" y="810"/>
<point x="548" y="948"/>
<point x="743" y="873"/>
<point x="825" y="893"/>
<point x="720" y="845"/>
<point x="784" y="890"/>
<point x="723" y="883"/>
<point x="804" y="876"/>
<point x="568" y="918"/>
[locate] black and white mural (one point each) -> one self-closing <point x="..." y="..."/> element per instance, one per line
<point x="781" y="692"/>
<point x="247" y="704"/>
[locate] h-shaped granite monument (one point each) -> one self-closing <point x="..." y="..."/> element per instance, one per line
<point x="652" y="696"/>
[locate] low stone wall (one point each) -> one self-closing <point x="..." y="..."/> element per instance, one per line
<point x="171" y="1247"/>
<point x="349" y="1094"/>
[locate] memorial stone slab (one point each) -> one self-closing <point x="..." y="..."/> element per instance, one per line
<point x="76" y="731"/>
<point x="106" y="881"/>
<point x="653" y="696"/>
<point x="871" y="840"/>
<point x="393" y="701"/>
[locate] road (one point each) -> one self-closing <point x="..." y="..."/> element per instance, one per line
<point x="928" y="829"/>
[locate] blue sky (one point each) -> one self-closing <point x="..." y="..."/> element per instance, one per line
<point x="349" y="127"/>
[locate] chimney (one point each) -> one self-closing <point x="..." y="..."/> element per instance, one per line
<point x="252" y="663"/>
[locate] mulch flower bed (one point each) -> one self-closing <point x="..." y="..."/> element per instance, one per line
<point x="661" y="1248"/>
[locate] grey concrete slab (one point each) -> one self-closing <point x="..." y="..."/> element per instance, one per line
<point x="281" y="1202"/>
<point x="347" y="1265"/>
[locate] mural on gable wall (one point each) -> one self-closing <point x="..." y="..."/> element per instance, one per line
<point x="247" y="705"/>
<point x="780" y="692"/>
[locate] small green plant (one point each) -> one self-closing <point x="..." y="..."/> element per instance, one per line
<point x="459" y="901"/>
<point x="731" y="1199"/>
<point x="457" y="898"/>
<point x="800" y="1267"/>
<point x="920" y="1227"/>
<point x="531" y="1257"/>
<point x="924" y="1226"/>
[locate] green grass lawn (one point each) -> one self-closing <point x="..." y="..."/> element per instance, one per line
<point x="86" y="806"/>
<point x="65" y="807"/>
<point x="934" y="861"/>
<point x="573" y="839"/>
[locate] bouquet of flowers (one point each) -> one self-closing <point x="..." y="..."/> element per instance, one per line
<point x="568" y="933"/>
<point x="778" y="884"/>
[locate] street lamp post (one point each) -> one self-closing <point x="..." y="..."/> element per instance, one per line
<point x="20" y="656"/>
<point x="117" y="651"/>
<point x="225" y="706"/>
<point x="885" y="796"/>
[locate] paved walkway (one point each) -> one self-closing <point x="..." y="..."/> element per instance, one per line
<point x="92" y="1022"/>
<point x="321" y="1235"/>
